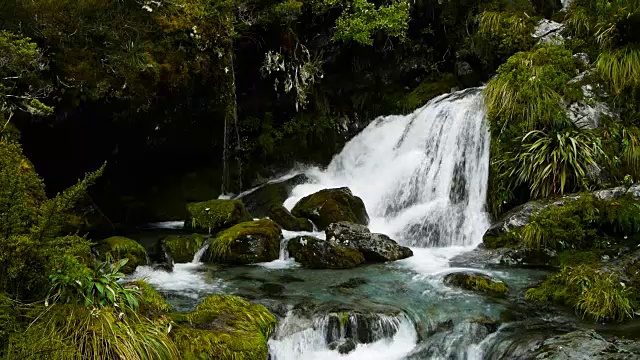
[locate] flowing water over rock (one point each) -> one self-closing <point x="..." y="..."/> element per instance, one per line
<point x="423" y="178"/>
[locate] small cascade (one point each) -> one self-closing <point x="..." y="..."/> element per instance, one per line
<point x="353" y="335"/>
<point x="423" y="176"/>
<point x="197" y="257"/>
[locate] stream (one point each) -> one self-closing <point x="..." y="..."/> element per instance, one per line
<point x="423" y="178"/>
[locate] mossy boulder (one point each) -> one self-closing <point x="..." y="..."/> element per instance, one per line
<point x="182" y="248"/>
<point x="320" y="254"/>
<point x="259" y="201"/>
<point x="152" y="304"/>
<point x="374" y="247"/>
<point x="246" y="243"/>
<point x="119" y="247"/>
<point x="331" y="206"/>
<point x="284" y="218"/>
<point x="215" y="215"/>
<point x="478" y="282"/>
<point x="224" y="328"/>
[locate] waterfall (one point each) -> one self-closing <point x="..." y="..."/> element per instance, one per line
<point x="197" y="257"/>
<point x="423" y="176"/>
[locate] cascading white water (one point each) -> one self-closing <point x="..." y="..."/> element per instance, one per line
<point x="423" y="176"/>
<point x="197" y="257"/>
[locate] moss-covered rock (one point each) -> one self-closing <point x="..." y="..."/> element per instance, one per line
<point x="260" y="201"/>
<point x="330" y="206"/>
<point x="119" y="247"/>
<point x="152" y="304"/>
<point x="246" y="243"/>
<point x="216" y="215"/>
<point x="477" y="282"/>
<point x="225" y="328"/>
<point x="320" y="254"/>
<point x="183" y="247"/>
<point x="284" y="218"/>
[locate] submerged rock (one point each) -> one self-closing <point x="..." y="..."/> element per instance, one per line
<point x="284" y="218"/>
<point x="344" y="346"/>
<point x="330" y="206"/>
<point x="246" y="243"/>
<point x="119" y="247"/>
<point x="215" y="215"/>
<point x="374" y="247"/>
<point x="182" y="248"/>
<point x="321" y="254"/>
<point x="479" y="282"/>
<point x="259" y="201"/>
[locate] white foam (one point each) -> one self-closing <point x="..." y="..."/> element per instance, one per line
<point x="188" y="279"/>
<point x="166" y="225"/>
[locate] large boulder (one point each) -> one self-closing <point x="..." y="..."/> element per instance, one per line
<point x="182" y="248"/>
<point x="478" y="282"/>
<point x="215" y="215"/>
<point x="374" y="247"/>
<point x="284" y="218"/>
<point x="585" y="344"/>
<point x="246" y="243"/>
<point x="549" y="32"/>
<point x="119" y="247"/>
<point x="321" y="254"/>
<point x="330" y="206"/>
<point x="259" y="201"/>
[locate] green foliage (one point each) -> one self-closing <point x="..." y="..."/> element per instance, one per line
<point x="151" y="303"/>
<point x="73" y="332"/>
<point x="225" y="327"/>
<point x="581" y="223"/>
<point x="20" y="85"/>
<point x="8" y="321"/>
<point x="528" y="92"/>
<point x="118" y="248"/>
<point x="592" y="293"/>
<point x="550" y="162"/>
<point x="30" y="242"/>
<point x="75" y="283"/>
<point x="620" y="69"/>
<point x="361" y="20"/>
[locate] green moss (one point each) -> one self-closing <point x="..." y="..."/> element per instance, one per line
<point x="330" y="206"/>
<point x="225" y="327"/>
<point x="183" y="247"/>
<point x="508" y="239"/>
<point x="246" y="243"/>
<point x="151" y="303"/>
<point x="593" y="293"/>
<point x="428" y="89"/>
<point x="477" y="282"/>
<point x="119" y="247"/>
<point x="284" y="218"/>
<point x="215" y="215"/>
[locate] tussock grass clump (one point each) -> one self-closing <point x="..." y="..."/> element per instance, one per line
<point x="620" y="68"/>
<point x="592" y="293"/>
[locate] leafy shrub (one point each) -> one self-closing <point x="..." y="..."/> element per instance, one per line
<point x="592" y="293"/>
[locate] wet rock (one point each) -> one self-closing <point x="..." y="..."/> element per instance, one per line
<point x="549" y="32"/>
<point x="515" y="218"/>
<point x="478" y="282"/>
<point x="246" y="243"/>
<point x="330" y="206"/>
<point x="374" y="247"/>
<point x="119" y="247"/>
<point x="583" y="344"/>
<point x="451" y="342"/>
<point x="344" y="347"/>
<point x="522" y="257"/>
<point x="361" y="327"/>
<point x="284" y="218"/>
<point x="351" y="283"/>
<point x="259" y="201"/>
<point x="618" y="192"/>
<point x="272" y="289"/>
<point x="215" y="215"/>
<point x="320" y="254"/>
<point x="182" y="248"/>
